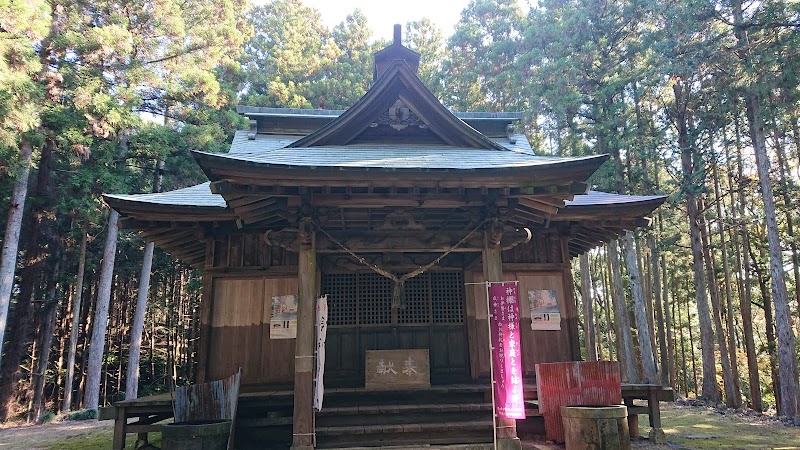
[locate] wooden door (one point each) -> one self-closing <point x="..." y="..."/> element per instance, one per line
<point x="361" y="318"/>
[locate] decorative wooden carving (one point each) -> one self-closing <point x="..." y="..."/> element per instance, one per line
<point x="286" y="238"/>
<point x="494" y="233"/>
<point x="511" y="133"/>
<point x="399" y="116"/>
<point x="306" y="233"/>
<point x="401" y="241"/>
<point x="400" y="220"/>
<point x="251" y="133"/>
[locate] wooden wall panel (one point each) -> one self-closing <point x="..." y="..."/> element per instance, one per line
<point x="249" y="250"/>
<point x="240" y="331"/>
<point x="543" y="346"/>
<point x="235" y="250"/>
<point x="236" y="329"/>
<point x="543" y="248"/>
<point x="277" y="355"/>
<point x="475" y="337"/>
<point x="538" y="346"/>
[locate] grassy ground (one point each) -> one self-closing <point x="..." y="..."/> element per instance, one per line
<point x="686" y="427"/>
<point x="77" y="435"/>
<point x="706" y="428"/>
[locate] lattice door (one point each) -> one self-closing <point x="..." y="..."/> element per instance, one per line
<point x="361" y="318"/>
<point x="366" y="299"/>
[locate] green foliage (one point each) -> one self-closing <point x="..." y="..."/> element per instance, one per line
<point x="47" y="417"/>
<point x="480" y="69"/>
<point x="83" y="414"/>
<point x="294" y="61"/>
<point x="424" y="37"/>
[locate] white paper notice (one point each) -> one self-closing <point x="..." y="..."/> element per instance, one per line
<point x="545" y="314"/>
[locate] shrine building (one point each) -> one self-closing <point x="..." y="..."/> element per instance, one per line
<point x="399" y="210"/>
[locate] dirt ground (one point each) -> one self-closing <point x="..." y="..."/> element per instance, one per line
<point x="88" y="434"/>
<point x="686" y="427"/>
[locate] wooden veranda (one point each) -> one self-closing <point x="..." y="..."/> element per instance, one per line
<point x="265" y="414"/>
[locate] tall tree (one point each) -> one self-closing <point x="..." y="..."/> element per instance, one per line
<point x="754" y="98"/>
<point x="625" y="352"/>
<point x="134" y="350"/>
<point x="424" y="37"/>
<point x="588" y="310"/>
<point x="91" y="395"/>
<point x="480" y="68"/>
<point x="75" y="327"/>
<point x="26" y="34"/>
<point x="288" y="50"/>
<point x="640" y="310"/>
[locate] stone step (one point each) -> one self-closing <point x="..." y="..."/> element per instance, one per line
<point x="486" y="446"/>
<point x="404" y="435"/>
<point x="418" y="409"/>
<point x="404" y="408"/>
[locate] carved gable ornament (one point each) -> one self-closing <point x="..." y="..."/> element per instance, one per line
<point x="399" y="116"/>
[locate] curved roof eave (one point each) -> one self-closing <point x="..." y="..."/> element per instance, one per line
<point x="215" y="166"/>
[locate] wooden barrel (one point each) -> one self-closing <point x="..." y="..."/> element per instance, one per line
<point x="596" y="427"/>
<point x="201" y="435"/>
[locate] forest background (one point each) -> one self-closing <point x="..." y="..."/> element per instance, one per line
<point x="697" y="100"/>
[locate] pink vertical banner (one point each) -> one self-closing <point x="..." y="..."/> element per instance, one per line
<point x="506" y="360"/>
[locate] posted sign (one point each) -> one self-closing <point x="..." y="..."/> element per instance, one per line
<point x="506" y="360"/>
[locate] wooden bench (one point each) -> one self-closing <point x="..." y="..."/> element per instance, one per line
<point x="195" y="402"/>
<point x="145" y="412"/>
<point x="653" y="394"/>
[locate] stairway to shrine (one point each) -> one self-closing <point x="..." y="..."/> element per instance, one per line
<point x="357" y="418"/>
<point x="455" y="414"/>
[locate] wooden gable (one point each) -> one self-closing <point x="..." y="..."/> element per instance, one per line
<point x="398" y="108"/>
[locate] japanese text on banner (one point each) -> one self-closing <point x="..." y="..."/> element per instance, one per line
<point x="506" y="359"/>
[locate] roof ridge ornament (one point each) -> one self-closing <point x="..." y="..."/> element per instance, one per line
<point x="395" y="52"/>
<point x="398" y="34"/>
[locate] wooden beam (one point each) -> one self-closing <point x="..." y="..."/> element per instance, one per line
<point x="146" y="225"/>
<point x="552" y="200"/>
<point x="176" y="241"/>
<point x="268" y="181"/>
<point x="254" y="206"/>
<point x="263" y="215"/>
<point x="533" y="203"/>
<point x="526" y="215"/>
<point x="408" y="241"/>
<point x="238" y="202"/>
<point x="399" y="200"/>
<point x="303" y="423"/>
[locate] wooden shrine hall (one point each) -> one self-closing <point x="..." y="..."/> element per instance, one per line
<point x="398" y="210"/>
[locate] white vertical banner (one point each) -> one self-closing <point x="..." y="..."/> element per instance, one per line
<point x="322" y="333"/>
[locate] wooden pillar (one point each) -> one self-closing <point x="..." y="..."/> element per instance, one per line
<point x="506" y="429"/>
<point x="303" y="427"/>
<point x="206" y="309"/>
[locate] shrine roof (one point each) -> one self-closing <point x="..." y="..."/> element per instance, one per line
<point x="199" y="195"/>
<point x="254" y="111"/>
<point x="390" y="156"/>
<point x="272" y="150"/>
<point x="597" y="198"/>
<point x="260" y="143"/>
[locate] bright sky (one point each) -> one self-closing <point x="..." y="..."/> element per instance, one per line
<point x="382" y="15"/>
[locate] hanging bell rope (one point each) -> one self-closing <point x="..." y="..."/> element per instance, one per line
<point x="399" y="282"/>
